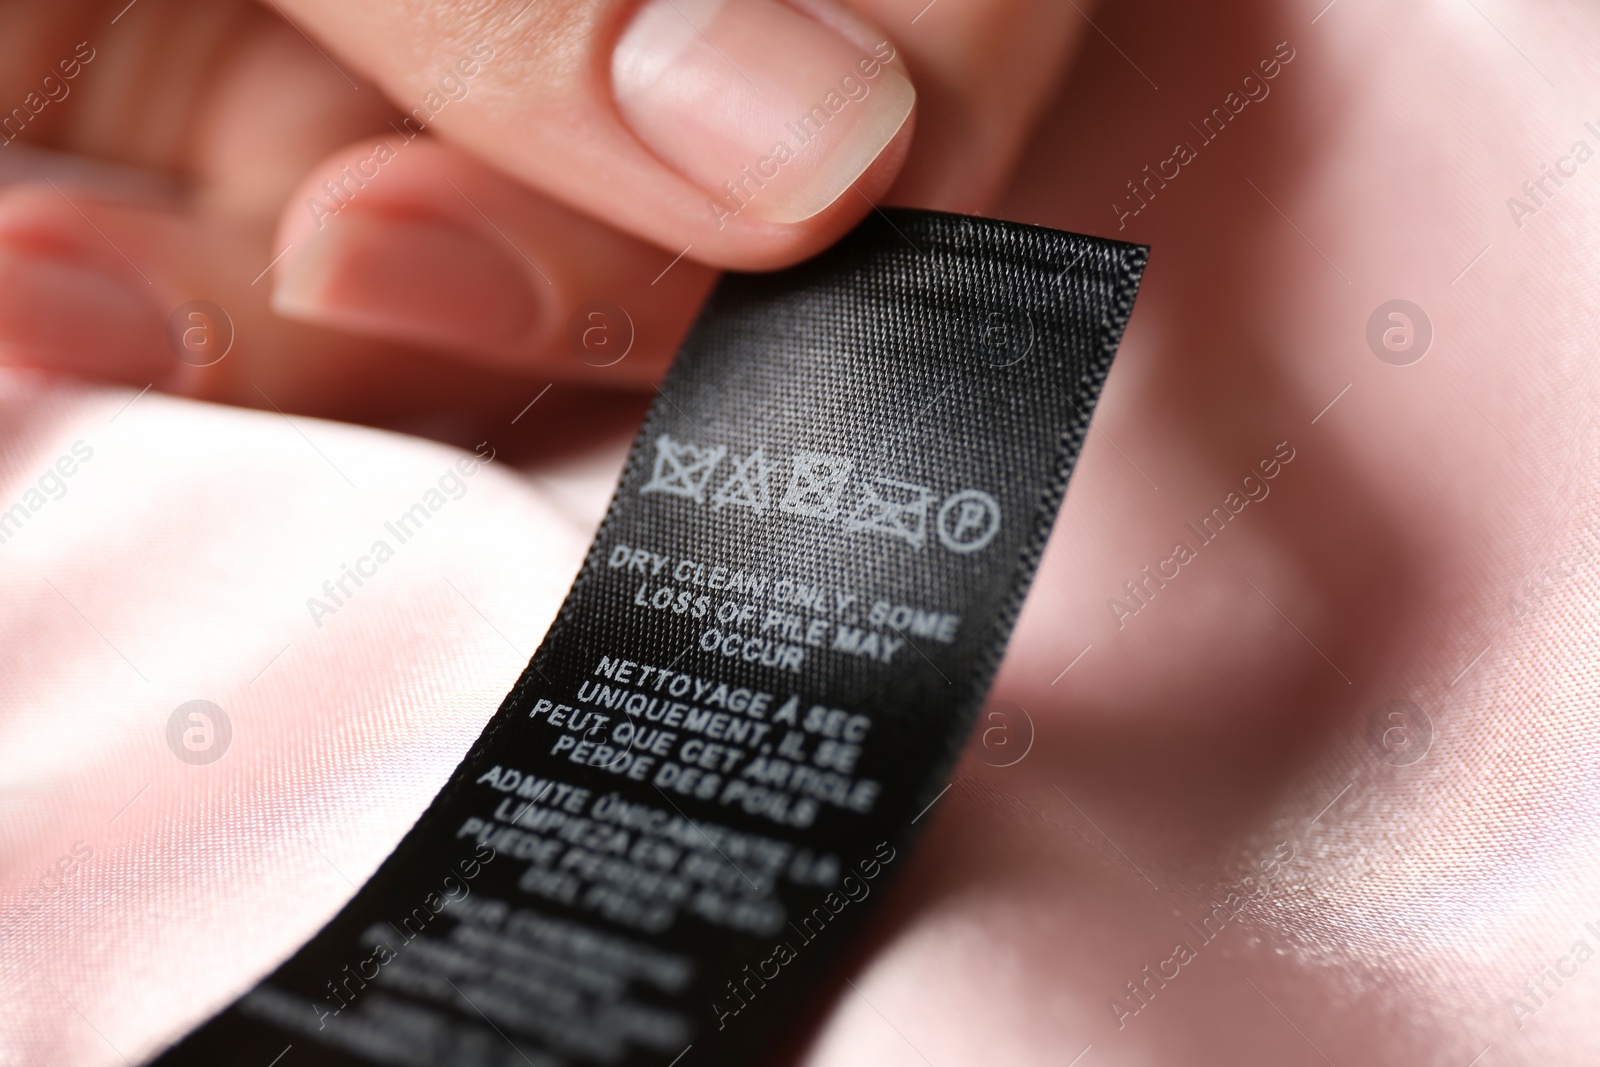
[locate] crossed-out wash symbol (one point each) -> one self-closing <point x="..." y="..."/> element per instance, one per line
<point x="967" y="520"/>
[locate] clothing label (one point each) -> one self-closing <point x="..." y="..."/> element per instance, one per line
<point x="715" y="762"/>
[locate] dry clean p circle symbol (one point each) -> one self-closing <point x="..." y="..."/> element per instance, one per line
<point x="968" y="520"/>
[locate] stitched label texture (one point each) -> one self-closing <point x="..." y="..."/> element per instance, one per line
<point x="716" y="761"/>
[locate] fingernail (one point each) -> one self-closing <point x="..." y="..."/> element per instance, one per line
<point x="75" y="316"/>
<point x="412" y="280"/>
<point x="770" y="111"/>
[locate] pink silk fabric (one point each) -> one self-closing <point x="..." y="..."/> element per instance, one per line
<point x="177" y="565"/>
<point x="1213" y="765"/>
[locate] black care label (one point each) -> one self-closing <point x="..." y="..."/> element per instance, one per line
<point x="709" y="771"/>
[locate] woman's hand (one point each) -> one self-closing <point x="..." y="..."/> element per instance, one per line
<point x="402" y="208"/>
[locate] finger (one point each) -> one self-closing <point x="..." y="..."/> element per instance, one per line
<point x="25" y="163"/>
<point x="752" y="132"/>
<point x="220" y="93"/>
<point x="985" y="71"/>
<point x="103" y="288"/>
<point x="416" y="242"/>
<point x="67" y="300"/>
<point x="91" y="286"/>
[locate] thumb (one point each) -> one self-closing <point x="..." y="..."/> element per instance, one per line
<point x="752" y="131"/>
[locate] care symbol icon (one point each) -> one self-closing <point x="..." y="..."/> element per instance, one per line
<point x="968" y="520"/>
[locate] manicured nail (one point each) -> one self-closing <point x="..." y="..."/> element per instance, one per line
<point x="75" y="316"/>
<point x="411" y="279"/>
<point x="770" y="111"/>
